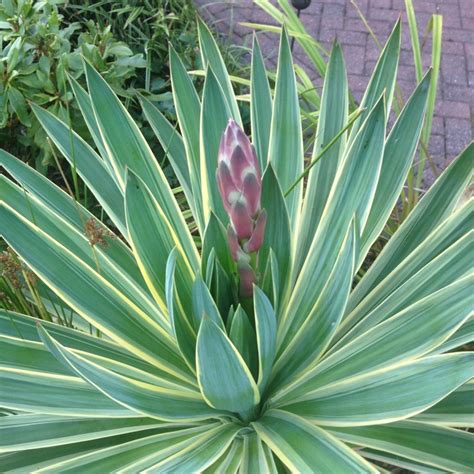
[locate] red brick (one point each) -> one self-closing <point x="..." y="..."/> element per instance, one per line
<point x="453" y="68"/>
<point x="452" y="34"/>
<point x="358" y="82"/>
<point x="354" y="59"/>
<point x="436" y="145"/>
<point x="468" y="24"/>
<point x="467" y="8"/>
<point x="452" y="47"/>
<point x="369" y="67"/>
<point x="451" y="21"/>
<point x="356" y="38"/>
<point x="354" y="24"/>
<point x="406" y="87"/>
<point x="333" y="16"/>
<point x="452" y="109"/>
<point x="470" y="78"/>
<point x="407" y="73"/>
<point x="458" y="135"/>
<point x="383" y="3"/>
<point x="327" y="35"/>
<point x="383" y="14"/>
<point x="458" y="93"/>
<point x="352" y="12"/>
<point x="437" y="125"/>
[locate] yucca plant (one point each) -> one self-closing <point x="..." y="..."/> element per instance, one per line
<point x="246" y="345"/>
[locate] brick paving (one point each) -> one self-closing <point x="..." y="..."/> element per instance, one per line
<point x="326" y="19"/>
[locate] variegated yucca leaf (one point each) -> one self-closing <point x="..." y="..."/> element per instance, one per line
<point x="317" y="371"/>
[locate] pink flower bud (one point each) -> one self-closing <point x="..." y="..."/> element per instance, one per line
<point x="256" y="240"/>
<point x="241" y="219"/>
<point x="251" y="189"/>
<point x="236" y="151"/>
<point x="239" y="165"/>
<point x="239" y="180"/>
<point x="226" y="185"/>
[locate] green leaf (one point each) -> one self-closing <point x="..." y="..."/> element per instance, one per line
<point x="182" y="327"/>
<point x="90" y="295"/>
<point x="173" y="145"/>
<point x="256" y="457"/>
<point x="442" y="448"/>
<point x="229" y="462"/>
<point x="98" y="256"/>
<point x="35" y="431"/>
<point x="314" y="335"/>
<point x="350" y="197"/>
<point x="226" y="382"/>
<point x="398" y="461"/>
<point x="278" y="235"/>
<point x="215" y="237"/>
<point x="395" y="340"/>
<point x="143" y="398"/>
<point x="84" y="102"/>
<point x="18" y="103"/>
<point x="439" y="245"/>
<point x="203" y="303"/>
<point x="286" y="140"/>
<point x="389" y="299"/>
<point x="188" y="110"/>
<point x="18" y="326"/>
<point x="270" y="281"/>
<point x="464" y="335"/>
<point x="222" y="286"/>
<point x="22" y="355"/>
<point x="201" y="453"/>
<point x="265" y="328"/>
<point x="302" y="446"/>
<point x="25" y="355"/>
<point x="35" y="459"/>
<point x="125" y="454"/>
<point x="71" y="211"/>
<point x="129" y="150"/>
<point x="457" y="409"/>
<point x="388" y="394"/>
<point x="149" y="229"/>
<point x="382" y="81"/>
<point x="211" y="57"/>
<point x="54" y="394"/>
<point x="89" y="165"/>
<point x="215" y="114"/>
<point x="398" y="156"/>
<point x="333" y="116"/>
<point x="261" y="105"/>
<point x="242" y="335"/>
<point x="436" y="206"/>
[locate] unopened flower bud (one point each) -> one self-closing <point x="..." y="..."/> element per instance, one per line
<point x="238" y="172"/>
<point x="241" y="220"/>
<point x="256" y="239"/>
<point x="239" y="180"/>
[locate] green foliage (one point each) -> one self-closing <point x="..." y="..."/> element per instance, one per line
<point x="39" y="49"/>
<point x="313" y="373"/>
